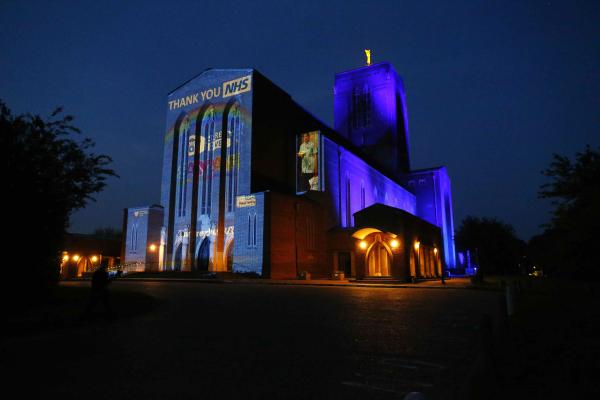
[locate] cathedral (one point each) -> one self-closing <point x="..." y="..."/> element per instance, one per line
<point x="254" y="183"/>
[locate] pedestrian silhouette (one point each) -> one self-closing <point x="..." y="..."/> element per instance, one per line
<point x="100" y="293"/>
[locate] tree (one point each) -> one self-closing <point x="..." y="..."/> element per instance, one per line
<point x="495" y="243"/>
<point x="49" y="176"/>
<point x="575" y="193"/>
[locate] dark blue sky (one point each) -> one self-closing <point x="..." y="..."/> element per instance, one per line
<point x="493" y="87"/>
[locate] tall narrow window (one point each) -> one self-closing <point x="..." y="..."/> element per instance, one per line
<point x="254" y="231"/>
<point x="233" y="139"/>
<point x="249" y="241"/>
<point x="366" y="104"/>
<point x="348" y="204"/>
<point x="206" y="160"/>
<point x="182" y="166"/>
<point x="361" y="107"/>
<point x="134" y="238"/>
<point x="362" y="195"/>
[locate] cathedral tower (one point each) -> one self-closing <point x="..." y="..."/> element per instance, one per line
<point x="370" y="111"/>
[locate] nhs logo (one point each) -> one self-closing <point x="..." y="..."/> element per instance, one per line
<point x="237" y="86"/>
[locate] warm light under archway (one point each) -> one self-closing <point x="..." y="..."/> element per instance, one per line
<point x="364" y="232"/>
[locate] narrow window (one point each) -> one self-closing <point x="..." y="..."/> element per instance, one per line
<point x="361" y="107"/>
<point x="206" y="149"/>
<point x="210" y="167"/>
<point x="249" y="241"/>
<point x="238" y="130"/>
<point x="232" y="156"/>
<point x="366" y="106"/>
<point x="254" y="232"/>
<point x="348" y="204"/>
<point x="362" y="195"/>
<point x="181" y="166"/>
<point x="133" y="238"/>
<point x="206" y="160"/>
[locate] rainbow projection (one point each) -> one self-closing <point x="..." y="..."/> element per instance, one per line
<point x="205" y="167"/>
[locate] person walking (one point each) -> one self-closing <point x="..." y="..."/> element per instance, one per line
<point x="100" y="293"/>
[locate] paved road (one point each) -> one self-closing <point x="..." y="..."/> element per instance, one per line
<point x="260" y="341"/>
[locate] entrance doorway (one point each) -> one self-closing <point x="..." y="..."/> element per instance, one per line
<point x="229" y="256"/>
<point x="203" y="255"/>
<point x="177" y="259"/>
<point x="379" y="260"/>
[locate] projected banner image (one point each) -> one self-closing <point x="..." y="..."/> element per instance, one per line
<point x="308" y="165"/>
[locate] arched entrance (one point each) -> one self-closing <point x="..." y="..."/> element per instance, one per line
<point x="83" y="265"/>
<point x="177" y="259"/>
<point x="379" y="260"/>
<point x="229" y="256"/>
<point x="202" y="257"/>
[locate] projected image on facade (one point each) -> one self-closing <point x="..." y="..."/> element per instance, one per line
<point x="308" y="164"/>
<point x="205" y="167"/>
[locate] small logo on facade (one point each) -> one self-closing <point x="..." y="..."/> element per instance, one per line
<point x="237" y="86"/>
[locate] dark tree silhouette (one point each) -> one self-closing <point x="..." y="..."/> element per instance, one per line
<point x="572" y="233"/>
<point x="497" y="247"/>
<point x="50" y="174"/>
<point x="107" y="233"/>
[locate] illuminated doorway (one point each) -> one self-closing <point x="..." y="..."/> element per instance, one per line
<point x="229" y="256"/>
<point x="202" y="258"/>
<point x="379" y="260"/>
<point x="177" y="259"/>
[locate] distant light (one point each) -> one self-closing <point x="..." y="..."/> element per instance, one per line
<point x="65" y="258"/>
<point x="394" y="243"/>
<point x="76" y="257"/>
<point x="435" y="250"/>
<point x="152" y="247"/>
<point x="94" y="259"/>
<point x="417" y="245"/>
<point x="362" y="244"/>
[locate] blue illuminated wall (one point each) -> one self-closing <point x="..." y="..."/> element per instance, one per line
<point x="370" y="111"/>
<point x="249" y="235"/>
<point x="206" y="165"/>
<point x="141" y="229"/>
<point x="353" y="185"/>
<point x="433" y="192"/>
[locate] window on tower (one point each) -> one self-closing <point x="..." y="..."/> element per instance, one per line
<point x="361" y="107"/>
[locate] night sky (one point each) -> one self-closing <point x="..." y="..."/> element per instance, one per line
<point x="493" y="87"/>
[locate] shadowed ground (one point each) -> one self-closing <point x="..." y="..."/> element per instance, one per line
<point x="259" y="341"/>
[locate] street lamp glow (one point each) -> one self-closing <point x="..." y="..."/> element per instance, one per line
<point x="417" y="245"/>
<point x="152" y="247"/>
<point x="362" y="244"/>
<point x="65" y="258"/>
<point x="394" y="243"/>
<point x="94" y="259"/>
<point x="435" y="250"/>
<point x="76" y="257"/>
